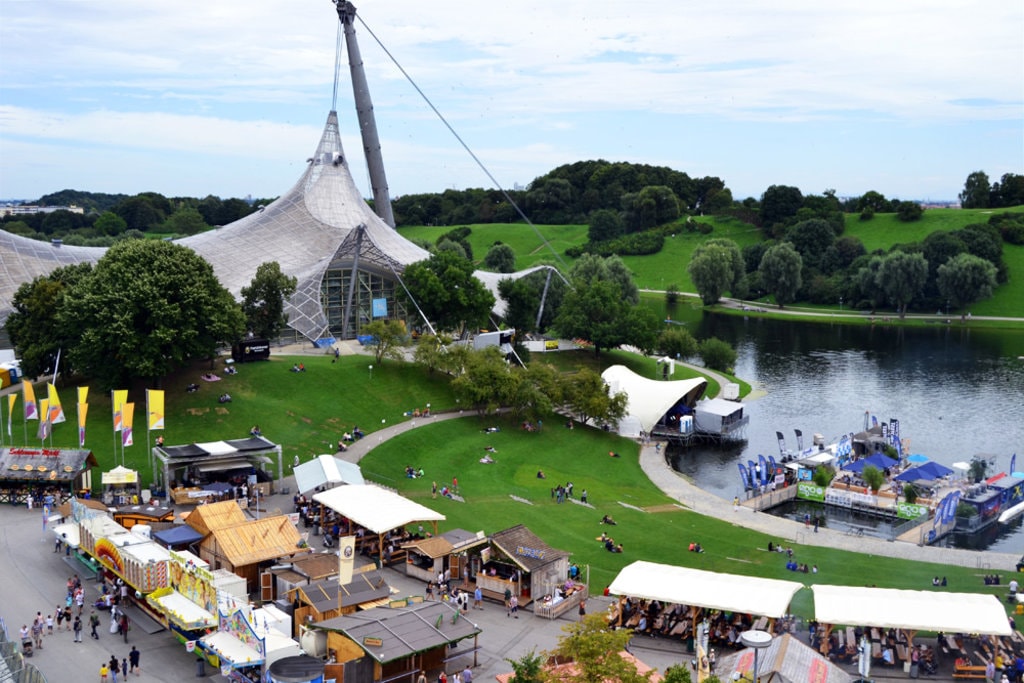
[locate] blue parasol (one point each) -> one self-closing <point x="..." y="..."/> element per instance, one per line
<point x="917" y="457"/>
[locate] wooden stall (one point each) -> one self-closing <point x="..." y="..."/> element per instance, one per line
<point x="518" y="560"/>
<point x="323" y="600"/>
<point x="33" y="472"/>
<point x="120" y="487"/>
<point x="131" y="515"/>
<point x="427" y="557"/>
<point x="248" y="547"/>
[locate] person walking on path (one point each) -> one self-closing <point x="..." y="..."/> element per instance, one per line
<point x="422" y="678"/>
<point x="817" y="521"/>
<point x="78" y="629"/>
<point x="94" y="622"/>
<point x="104" y="672"/>
<point x="49" y="624"/>
<point x="124" y="626"/>
<point x="124" y="668"/>
<point x="513" y="606"/>
<point x="37" y="631"/>
<point x="583" y="609"/>
<point x="467" y="675"/>
<point x="114" y="666"/>
<point x="133" y="660"/>
<point x="478" y="598"/>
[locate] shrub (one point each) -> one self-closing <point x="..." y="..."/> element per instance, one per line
<point x="867" y="214"/>
<point x="672" y="294"/>
<point x="717" y="354"/>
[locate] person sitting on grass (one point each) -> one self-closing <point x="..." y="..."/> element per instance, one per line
<point x="541" y="475"/>
<point x="608" y="520"/>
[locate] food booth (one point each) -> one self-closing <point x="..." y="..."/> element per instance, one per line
<point x="251" y="546"/>
<point x="148" y="515"/>
<point x="34" y="471"/>
<point x="425" y="558"/>
<point x="120" y="487"/>
<point x="248" y="641"/>
<point x="518" y="560"/>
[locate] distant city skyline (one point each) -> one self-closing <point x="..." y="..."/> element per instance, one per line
<point x="230" y="98"/>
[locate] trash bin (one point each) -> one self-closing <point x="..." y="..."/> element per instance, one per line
<point x="915" y="670"/>
<point x="316" y="529"/>
<point x="200" y="667"/>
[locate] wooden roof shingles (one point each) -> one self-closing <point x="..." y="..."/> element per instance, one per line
<point x="256" y="541"/>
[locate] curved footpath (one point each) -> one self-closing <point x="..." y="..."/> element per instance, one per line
<point x="675" y="486"/>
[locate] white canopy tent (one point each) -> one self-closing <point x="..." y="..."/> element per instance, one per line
<point x="374" y="508"/>
<point x="649" y="399"/>
<point x="698" y="588"/>
<point x="326" y="470"/>
<point x="912" y="610"/>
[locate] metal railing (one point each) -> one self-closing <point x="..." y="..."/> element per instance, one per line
<point x="13" y="666"/>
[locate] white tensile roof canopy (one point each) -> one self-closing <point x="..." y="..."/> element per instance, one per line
<point x="912" y="610"/>
<point x="650" y="399"/>
<point x="698" y="588"/>
<point x="326" y="470"/>
<point x="374" y="508"/>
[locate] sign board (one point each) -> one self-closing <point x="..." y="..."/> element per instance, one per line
<point x="373" y="642"/>
<point x="250" y="350"/>
<point x="910" y="510"/>
<point x="380" y="308"/>
<point x="810" y="491"/>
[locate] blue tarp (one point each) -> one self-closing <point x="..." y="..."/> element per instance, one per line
<point x="878" y="460"/>
<point x="181" y="534"/>
<point x="927" y="472"/>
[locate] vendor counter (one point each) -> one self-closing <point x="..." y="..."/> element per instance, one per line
<point x="498" y="585"/>
<point x="554" y="606"/>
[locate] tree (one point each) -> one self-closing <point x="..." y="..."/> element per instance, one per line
<point x="538" y="391"/>
<point x="909" y="211"/>
<point x="388" y="338"/>
<point x="717" y="354"/>
<point x="444" y="288"/>
<point x="109" y="223"/>
<point x="902" y="276"/>
<point x="591" y="268"/>
<point x="500" y="258"/>
<point x="263" y="300"/>
<point x="185" y="221"/>
<point x="779" y="203"/>
<point x="1009" y="191"/>
<point x="148" y="308"/>
<point x="715" y="267"/>
<point x="33" y="326"/>
<point x="523" y="298"/>
<point x="589" y="398"/>
<point x="428" y="353"/>
<point x="875" y="201"/>
<point x="780" y="272"/>
<point x="527" y="669"/>
<point x="976" y="191"/>
<point x="653" y="205"/>
<point x="595" y="650"/>
<point x="873" y="477"/>
<point x="811" y="239"/>
<point x="605" y="224"/>
<point x="966" y="278"/>
<point x="487" y="383"/>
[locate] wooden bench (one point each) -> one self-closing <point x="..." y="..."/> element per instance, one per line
<point x="969" y="672"/>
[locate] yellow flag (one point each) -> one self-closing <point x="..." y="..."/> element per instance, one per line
<point x="155" y="408"/>
<point x="83" y="394"/>
<point x="118" y="399"/>
<point x="127" y="416"/>
<point x="83" y="410"/>
<point x="30" y="401"/>
<point x="11" y="400"/>
<point x="56" y="411"/>
<point x="44" y="422"/>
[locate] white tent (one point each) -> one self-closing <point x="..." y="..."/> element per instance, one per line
<point x="374" y="508"/>
<point x="913" y="610"/>
<point x="649" y="399"/>
<point x="698" y="588"/>
<point x="326" y="470"/>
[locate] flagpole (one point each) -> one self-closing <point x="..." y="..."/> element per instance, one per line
<point x="149" y="451"/>
<point x="2" y="424"/>
<point x="113" y="411"/>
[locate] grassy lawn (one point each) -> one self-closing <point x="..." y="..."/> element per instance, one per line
<point x="305" y="411"/>
<point x="659" y="531"/>
<point x="668" y="267"/>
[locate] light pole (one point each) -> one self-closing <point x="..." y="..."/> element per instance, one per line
<point x="758" y="640"/>
<point x="371" y="373"/>
<point x="840" y="304"/>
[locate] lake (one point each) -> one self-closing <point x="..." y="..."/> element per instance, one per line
<point x="956" y="392"/>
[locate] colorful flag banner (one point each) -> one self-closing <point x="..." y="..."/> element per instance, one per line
<point x="83" y="410"/>
<point x="118" y="398"/>
<point x="11" y="400"/>
<point x="30" y="401"/>
<point x="155" y="408"/>
<point x="83" y="394"/>
<point x="56" y="413"/>
<point x="44" y="422"/>
<point x="127" y="416"/>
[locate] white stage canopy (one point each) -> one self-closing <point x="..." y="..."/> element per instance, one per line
<point x="913" y="610"/>
<point x="374" y="508"/>
<point x="649" y="399"/>
<point x="698" y="588"/>
<point x="326" y="470"/>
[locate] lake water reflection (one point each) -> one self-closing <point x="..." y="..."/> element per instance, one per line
<point x="956" y="392"/>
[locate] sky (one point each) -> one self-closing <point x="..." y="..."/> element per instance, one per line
<point x="229" y="98"/>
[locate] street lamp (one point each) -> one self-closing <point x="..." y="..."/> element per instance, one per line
<point x="840" y="304"/>
<point x="758" y="640"/>
<point x="371" y="373"/>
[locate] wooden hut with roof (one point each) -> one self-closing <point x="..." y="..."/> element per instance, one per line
<point x="251" y="546"/>
<point x="518" y="560"/>
<point x="207" y="518"/>
<point x="326" y="599"/>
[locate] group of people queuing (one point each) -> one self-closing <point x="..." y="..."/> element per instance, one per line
<point x="464" y="676"/>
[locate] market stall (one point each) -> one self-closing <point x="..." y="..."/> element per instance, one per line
<point x="518" y="560"/>
<point x="120" y="487"/>
<point x="425" y="558"/>
<point x="130" y="515"/>
<point x="247" y="548"/>
<point x="200" y="463"/>
<point x="35" y="472"/>
<point x="136" y="559"/>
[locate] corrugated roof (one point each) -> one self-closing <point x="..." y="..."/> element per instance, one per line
<point x="404" y="631"/>
<point x="785" y="660"/>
